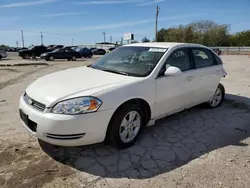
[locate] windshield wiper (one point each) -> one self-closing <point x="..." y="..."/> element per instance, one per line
<point x="115" y="71"/>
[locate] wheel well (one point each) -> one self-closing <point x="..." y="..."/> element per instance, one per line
<point x="143" y="105"/>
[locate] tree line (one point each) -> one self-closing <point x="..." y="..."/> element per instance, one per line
<point x="207" y="33"/>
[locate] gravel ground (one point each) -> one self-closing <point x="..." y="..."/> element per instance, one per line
<point x="195" y="148"/>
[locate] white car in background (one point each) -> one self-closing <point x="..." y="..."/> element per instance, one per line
<point x="116" y="97"/>
<point x="3" y="54"/>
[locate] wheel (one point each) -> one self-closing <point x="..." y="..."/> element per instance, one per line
<point x="0" y="57"/>
<point x="51" y="58"/>
<point x="218" y="97"/>
<point x="26" y="56"/>
<point x="74" y="58"/>
<point x="125" y="126"/>
<point x="69" y="59"/>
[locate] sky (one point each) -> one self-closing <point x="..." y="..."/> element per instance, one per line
<point x="84" y="21"/>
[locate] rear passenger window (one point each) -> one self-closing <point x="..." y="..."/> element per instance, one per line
<point x="202" y="58"/>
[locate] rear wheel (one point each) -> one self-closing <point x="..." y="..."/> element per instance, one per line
<point x="26" y="56"/>
<point x="125" y="126"/>
<point x="218" y="97"/>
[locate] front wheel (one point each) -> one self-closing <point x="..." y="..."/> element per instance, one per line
<point x="74" y="58"/>
<point x="125" y="126"/>
<point x="217" y="98"/>
<point x="51" y="58"/>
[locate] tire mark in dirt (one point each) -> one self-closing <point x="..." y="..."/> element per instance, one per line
<point x="19" y="78"/>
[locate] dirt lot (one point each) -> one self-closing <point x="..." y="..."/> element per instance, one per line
<point x="196" y="148"/>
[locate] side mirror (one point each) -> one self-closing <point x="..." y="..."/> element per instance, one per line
<point x="172" y="71"/>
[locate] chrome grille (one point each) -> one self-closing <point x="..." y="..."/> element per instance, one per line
<point x="33" y="103"/>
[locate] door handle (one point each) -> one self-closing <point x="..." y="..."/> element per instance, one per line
<point x="190" y="78"/>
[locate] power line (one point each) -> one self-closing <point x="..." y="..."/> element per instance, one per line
<point x="156" y="22"/>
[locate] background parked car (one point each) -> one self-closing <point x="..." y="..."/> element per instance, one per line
<point x="62" y="53"/>
<point x="85" y="52"/>
<point x="217" y="51"/>
<point x="36" y="50"/>
<point x="99" y="52"/>
<point x="92" y="49"/>
<point x="3" y="54"/>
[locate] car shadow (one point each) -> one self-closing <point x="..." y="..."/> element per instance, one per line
<point x="174" y="141"/>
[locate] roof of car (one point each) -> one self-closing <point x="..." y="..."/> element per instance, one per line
<point x="165" y="44"/>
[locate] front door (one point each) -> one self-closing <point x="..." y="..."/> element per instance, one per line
<point x="175" y="93"/>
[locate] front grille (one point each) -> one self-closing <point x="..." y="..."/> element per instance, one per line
<point x="66" y="136"/>
<point x="35" y="104"/>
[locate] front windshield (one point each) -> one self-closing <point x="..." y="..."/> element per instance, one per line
<point x="131" y="60"/>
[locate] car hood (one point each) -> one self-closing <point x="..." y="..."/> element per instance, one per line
<point x="81" y="81"/>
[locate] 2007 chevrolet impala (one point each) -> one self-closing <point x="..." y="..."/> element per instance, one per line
<point x="116" y="97"/>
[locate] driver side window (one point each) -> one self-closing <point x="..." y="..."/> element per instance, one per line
<point x="180" y="59"/>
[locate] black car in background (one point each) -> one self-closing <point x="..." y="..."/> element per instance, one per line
<point x="33" y="51"/>
<point x="85" y="52"/>
<point x="99" y="52"/>
<point x="111" y="49"/>
<point x="62" y="53"/>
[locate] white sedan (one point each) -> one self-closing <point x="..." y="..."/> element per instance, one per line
<point x="116" y="97"/>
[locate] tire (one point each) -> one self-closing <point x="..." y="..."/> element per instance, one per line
<point x="115" y="130"/>
<point x="0" y="57"/>
<point x="73" y="58"/>
<point x="51" y="58"/>
<point x="218" y="97"/>
<point x="69" y="59"/>
<point x="26" y="56"/>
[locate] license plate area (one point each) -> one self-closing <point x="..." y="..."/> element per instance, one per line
<point x="31" y="124"/>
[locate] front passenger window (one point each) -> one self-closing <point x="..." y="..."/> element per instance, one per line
<point x="180" y="59"/>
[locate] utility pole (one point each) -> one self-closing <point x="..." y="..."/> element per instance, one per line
<point x="110" y="39"/>
<point x="17" y="44"/>
<point x="156" y="22"/>
<point x="104" y="36"/>
<point x="42" y="37"/>
<point x="22" y="38"/>
<point x="72" y="41"/>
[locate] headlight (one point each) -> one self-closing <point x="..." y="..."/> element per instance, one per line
<point x="79" y="105"/>
<point x="44" y="54"/>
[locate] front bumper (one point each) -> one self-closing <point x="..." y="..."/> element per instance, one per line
<point x="66" y="130"/>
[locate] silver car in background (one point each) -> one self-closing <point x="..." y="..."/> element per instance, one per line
<point x="3" y="54"/>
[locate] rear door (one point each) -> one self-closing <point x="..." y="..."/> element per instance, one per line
<point x="209" y="71"/>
